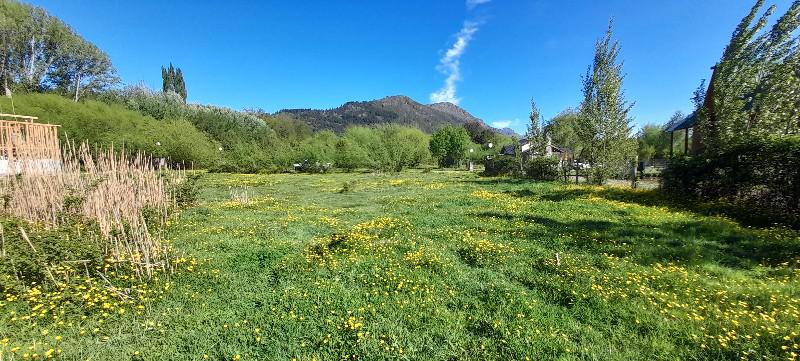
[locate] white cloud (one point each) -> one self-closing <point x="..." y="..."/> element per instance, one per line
<point x="471" y="4"/>
<point x="500" y="124"/>
<point x="450" y="64"/>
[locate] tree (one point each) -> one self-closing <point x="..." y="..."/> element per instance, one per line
<point x="654" y="141"/>
<point x="563" y="130"/>
<point x="535" y="134"/>
<point x="449" y="145"/>
<point x="172" y="81"/>
<point x="480" y="133"/>
<point x="755" y="87"/>
<point x="84" y="68"/>
<point x="405" y="146"/>
<point x="603" y="119"/>
<point x="180" y="85"/>
<point x="38" y="52"/>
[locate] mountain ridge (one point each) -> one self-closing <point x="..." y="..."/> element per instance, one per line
<point x="396" y="109"/>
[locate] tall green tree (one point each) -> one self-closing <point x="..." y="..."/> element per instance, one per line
<point x="85" y="68"/>
<point x="536" y="133"/>
<point x="755" y="88"/>
<point x="603" y="119"/>
<point x="563" y="129"/>
<point x="38" y="52"/>
<point x="172" y="81"/>
<point x="180" y="85"/>
<point x="449" y="145"/>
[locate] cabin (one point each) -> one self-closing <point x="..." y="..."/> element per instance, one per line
<point x="27" y="146"/>
<point x="551" y="150"/>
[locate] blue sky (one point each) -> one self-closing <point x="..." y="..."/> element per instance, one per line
<point x="496" y="54"/>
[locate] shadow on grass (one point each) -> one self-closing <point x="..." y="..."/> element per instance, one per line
<point x="656" y="198"/>
<point x="686" y="242"/>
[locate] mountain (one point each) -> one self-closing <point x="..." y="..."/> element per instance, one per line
<point x="397" y="109"/>
<point x="508" y="132"/>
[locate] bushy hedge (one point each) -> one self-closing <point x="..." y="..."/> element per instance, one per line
<point x="542" y="168"/>
<point x="499" y="165"/>
<point x="762" y="174"/>
<point x="106" y="124"/>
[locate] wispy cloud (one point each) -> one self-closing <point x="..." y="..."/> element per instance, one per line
<point x="471" y="4"/>
<point x="450" y="64"/>
<point x="500" y="124"/>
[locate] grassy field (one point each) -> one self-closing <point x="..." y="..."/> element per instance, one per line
<point x="441" y="265"/>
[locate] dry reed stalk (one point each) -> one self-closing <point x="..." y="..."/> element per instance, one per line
<point x="109" y="187"/>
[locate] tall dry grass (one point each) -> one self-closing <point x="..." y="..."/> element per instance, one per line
<point x="116" y="190"/>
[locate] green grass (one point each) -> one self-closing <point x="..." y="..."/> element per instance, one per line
<point x="448" y="266"/>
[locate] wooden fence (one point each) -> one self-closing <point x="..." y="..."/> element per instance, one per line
<point x="25" y="144"/>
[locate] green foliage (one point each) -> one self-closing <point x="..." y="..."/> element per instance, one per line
<point x="248" y="144"/>
<point x="39" y="52"/>
<point x="449" y="145"/>
<point x="563" y="130"/>
<point x="319" y="149"/>
<point x="30" y="262"/>
<point x="105" y="124"/>
<point x="604" y="120"/>
<point x="501" y="165"/>
<point x="187" y="192"/>
<point x="303" y="255"/>
<point x="754" y="86"/>
<point x="405" y="147"/>
<point x="290" y="130"/>
<point x="350" y="156"/>
<point x="536" y="134"/>
<point x="654" y="141"/>
<point x="758" y="175"/>
<point x="481" y="134"/>
<point x="172" y="81"/>
<point x="542" y="168"/>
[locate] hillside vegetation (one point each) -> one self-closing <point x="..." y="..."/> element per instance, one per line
<point x="109" y="124"/>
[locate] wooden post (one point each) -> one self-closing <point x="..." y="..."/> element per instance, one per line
<point x="671" y="142"/>
<point x="685" y="141"/>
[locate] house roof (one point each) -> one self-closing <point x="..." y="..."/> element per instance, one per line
<point x="686" y="123"/>
<point x="507" y="150"/>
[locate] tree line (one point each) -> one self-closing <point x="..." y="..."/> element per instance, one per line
<point x="39" y="52"/>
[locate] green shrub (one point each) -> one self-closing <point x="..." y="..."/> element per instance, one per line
<point x="542" y="168"/>
<point x="105" y="124"/>
<point x="761" y="175"/>
<point x="187" y="192"/>
<point x="248" y="144"/>
<point x="501" y="165"/>
<point x="76" y="241"/>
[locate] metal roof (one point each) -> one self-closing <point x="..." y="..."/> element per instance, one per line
<point x="686" y="123"/>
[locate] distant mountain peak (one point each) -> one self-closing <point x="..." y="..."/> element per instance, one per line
<point x="397" y="109"/>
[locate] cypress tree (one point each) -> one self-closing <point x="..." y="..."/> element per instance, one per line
<point x="180" y="85"/>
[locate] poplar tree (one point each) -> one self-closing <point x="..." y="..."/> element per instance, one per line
<point x="755" y="87"/>
<point x="535" y="133"/>
<point x="604" y="123"/>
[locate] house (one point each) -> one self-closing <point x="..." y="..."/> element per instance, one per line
<point x="551" y="150"/>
